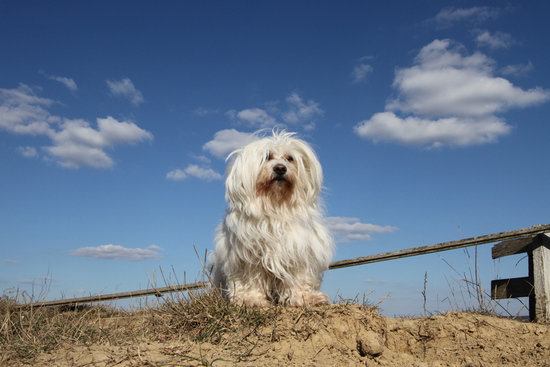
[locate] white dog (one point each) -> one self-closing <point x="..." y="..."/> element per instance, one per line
<point x="272" y="245"/>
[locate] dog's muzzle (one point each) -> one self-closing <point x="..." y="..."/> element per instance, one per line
<point x="279" y="171"/>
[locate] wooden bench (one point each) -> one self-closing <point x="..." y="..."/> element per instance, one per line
<point x="536" y="286"/>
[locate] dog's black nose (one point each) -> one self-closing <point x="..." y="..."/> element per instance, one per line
<point x="279" y="169"/>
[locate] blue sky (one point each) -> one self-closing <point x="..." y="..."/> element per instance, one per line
<point x="429" y="118"/>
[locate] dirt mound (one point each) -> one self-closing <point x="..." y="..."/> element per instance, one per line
<point x="338" y="335"/>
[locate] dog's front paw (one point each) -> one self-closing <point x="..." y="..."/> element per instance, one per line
<point x="312" y="298"/>
<point x="251" y="299"/>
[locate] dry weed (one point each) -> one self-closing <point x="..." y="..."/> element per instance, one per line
<point x="26" y="331"/>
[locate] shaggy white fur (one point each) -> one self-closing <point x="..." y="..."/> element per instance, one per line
<point x="272" y="245"/>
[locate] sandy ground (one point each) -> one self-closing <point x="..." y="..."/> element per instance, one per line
<point x="328" y="336"/>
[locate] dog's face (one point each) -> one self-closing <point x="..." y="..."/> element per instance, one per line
<point x="272" y="174"/>
<point x="277" y="178"/>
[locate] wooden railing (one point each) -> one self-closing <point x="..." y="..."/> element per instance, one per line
<point x="445" y="246"/>
<point x="114" y="296"/>
<point x="503" y="287"/>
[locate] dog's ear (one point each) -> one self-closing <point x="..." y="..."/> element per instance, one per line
<point x="237" y="182"/>
<point x="242" y="172"/>
<point x="312" y="170"/>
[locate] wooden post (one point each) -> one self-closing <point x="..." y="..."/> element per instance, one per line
<point x="536" y="286"/>
<point x="540" y="260"/>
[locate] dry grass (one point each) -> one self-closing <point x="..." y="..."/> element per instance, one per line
<point x="205" y="316"/>
<point x="24" y="332"/>
<point x="196" y="316"/>
<point x="200" y="328"/>
<point x="199" y="316"/>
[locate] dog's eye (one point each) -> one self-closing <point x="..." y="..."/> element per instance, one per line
<point x="269" y="157"/>
<point x="289" y="158"/>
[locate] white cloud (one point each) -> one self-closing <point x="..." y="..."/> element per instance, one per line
<point x="78" y="144"/>
<point x="75" y="142"/>
<point x="23" y="95"/>
<point x="360" y="73"/>
<point x="23" y="112"/>
<point x="68" y="82"/>
<point x="73" y="155"/>
<point x="445" y="83"/>
<point x="201" y="158"/>
<point x="453" y="99"/>
<point x="301" y="112"/>
<point x="517" y="70"/>
<point x="494" y="41"/>
<point x="254" y="117"/>
<point x="193" y="170"/>
<point x="116" y="252"/>
<point x="477" y="14"/>
<point x="298" y="112"/>
<point x="121" y="132"/>
<point x="351" y="229"/>
<point x="28" y="152"/>
<point x="207" y="174"/>
<point x="176" y="175"/>
<point x="226" y="141"/>
<point x="11" y="261"/>
<point x="451" y="131"/>
<point x="26" y="119"/>
<point x="125" y="88"/>
<point x="155" y="247"/>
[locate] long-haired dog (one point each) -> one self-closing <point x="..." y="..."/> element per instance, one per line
<point x="272" y="246"/>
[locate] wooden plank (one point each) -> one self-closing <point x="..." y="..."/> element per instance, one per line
<point x="512" y="247"/>
<point x="114" y="296"/>
<point x="541" y="275"/>
<point x="445" y="246"/>
<point x="511" y="288"/>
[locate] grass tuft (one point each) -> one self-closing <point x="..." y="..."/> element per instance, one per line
<point x="27" y="331"/>
<point x="205" y="316"/>
<point x="201" y="317"/>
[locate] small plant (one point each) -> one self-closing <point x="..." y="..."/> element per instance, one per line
<point x="363" y="301"/>
<point x="424" y="293"/>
